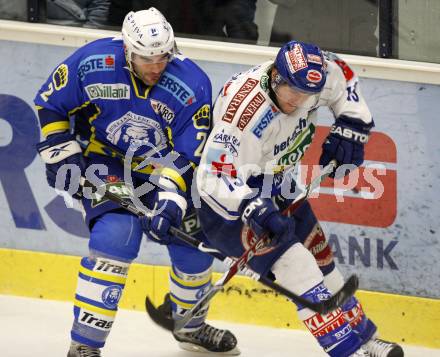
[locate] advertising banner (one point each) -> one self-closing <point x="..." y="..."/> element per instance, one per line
<point x="380" y="221"/>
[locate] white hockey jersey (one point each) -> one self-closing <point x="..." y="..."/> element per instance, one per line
<point x="252" y="136"/>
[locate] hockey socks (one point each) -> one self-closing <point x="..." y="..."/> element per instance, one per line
<point x="355" y="315"/>
<point x="186" y="290"/>
<point x="99" y="289"/>
<point x="331" y="330"/>
<point x="353" y="311"/>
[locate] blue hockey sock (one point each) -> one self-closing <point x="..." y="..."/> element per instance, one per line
<point x="359" y="322"/>
<point x="331" y="330"/>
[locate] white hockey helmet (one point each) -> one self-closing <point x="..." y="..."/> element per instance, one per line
<point x="147" y="33"/>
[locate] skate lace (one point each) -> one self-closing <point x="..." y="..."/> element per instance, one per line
<point x="378" y="348"/>
<point x="86" y="351"/>
<point x="209" y="334"/>
<point x="360" y="353"/>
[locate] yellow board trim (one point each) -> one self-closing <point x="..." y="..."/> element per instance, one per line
<point x="55" y="126"/>
<point x="98" y="310"/>
<point x="406" y="319"/>
<point x="102" y="276"/>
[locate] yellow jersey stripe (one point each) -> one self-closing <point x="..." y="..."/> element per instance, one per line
<point x="55" y="126"/>
<point x="174" y="176"/>
<point x="136" y="89"/>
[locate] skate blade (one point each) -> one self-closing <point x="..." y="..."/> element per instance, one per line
<point x="188" y="346"/>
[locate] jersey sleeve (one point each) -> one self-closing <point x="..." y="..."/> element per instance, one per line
<point x="231" y="156"/>
<point x="187" y="135"/>
<point x="59" y="96"/>
<point x="346" y="98"/>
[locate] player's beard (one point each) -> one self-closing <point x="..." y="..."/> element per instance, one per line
<point x="150" y="79"/>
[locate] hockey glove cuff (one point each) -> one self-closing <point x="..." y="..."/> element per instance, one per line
<point x="64" y="160"/>
<point x="169" y="210"/>
<point x="345" y="143"/>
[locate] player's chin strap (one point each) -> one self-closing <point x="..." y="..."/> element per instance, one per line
<point x="236" y="265"/>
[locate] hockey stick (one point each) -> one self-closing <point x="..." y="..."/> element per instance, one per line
<point x="237" y="265"/>
<point x="323" y="307"/>
<point x="341" y="296"/>
<point x="240" y="263"/>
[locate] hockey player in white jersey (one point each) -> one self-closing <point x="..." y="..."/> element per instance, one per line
<point x="264" y="121"/>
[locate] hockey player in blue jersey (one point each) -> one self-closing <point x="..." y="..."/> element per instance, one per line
<point x="264" y="121"/>
<point x="131" y="102"/>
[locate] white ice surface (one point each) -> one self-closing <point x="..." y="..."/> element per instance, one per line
<point x="40" y="328"/>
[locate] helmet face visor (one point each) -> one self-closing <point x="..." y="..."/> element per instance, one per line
<point x="291" y="97"/>
<point x="146" y="60"/>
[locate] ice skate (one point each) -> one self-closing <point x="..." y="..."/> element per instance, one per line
<point x="208" y="339"/>
<point x="361" y="352"/>
<point x="79" y="350"/>
<point x="380" y="348"/>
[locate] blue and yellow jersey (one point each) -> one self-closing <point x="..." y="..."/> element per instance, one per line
<point x="93" y="93"/>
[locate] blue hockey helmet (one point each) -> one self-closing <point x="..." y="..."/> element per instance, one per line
<point x="302" y="66"/>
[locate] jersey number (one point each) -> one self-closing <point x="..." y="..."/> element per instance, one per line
<point x="351" y="93"/>
<point x="59" y="80"/>
<point x="200" y="136"/>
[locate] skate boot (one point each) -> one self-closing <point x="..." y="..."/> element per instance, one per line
<point x="361" y="352"/>
<point x="208" y="339"/>
<point x="381" y="348"/>
<point x="79" y="350"/>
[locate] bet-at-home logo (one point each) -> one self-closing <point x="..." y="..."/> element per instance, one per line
<point x="296" y="151"/>
<point x="108" y="91"/>
<point x="118" y="188"/>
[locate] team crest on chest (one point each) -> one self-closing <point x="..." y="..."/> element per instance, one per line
<point x="133" y="130"/>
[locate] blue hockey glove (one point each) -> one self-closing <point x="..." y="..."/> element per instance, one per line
<point x="262" y="216"/>
<point x="58" y="150"/>
<point x="345" y="143"/>
<point x="169" y="210"/>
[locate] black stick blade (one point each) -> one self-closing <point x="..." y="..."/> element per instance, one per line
<point x="158" y="317"/>
<point x="342" y="296"/>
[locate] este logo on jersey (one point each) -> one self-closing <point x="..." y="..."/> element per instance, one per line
<point x="177" y="88"/>
<point x="264" y="121"/>
<point x="96" y="63"/>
